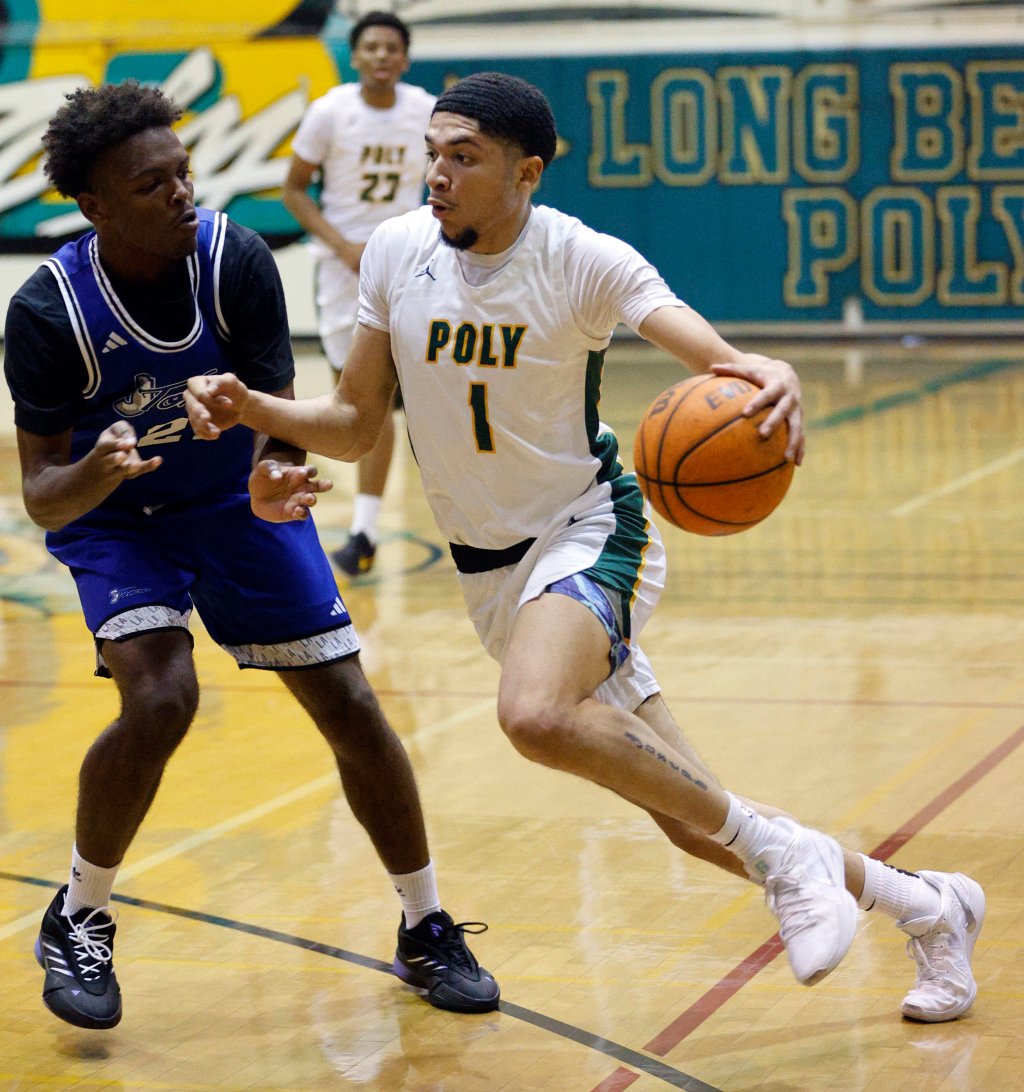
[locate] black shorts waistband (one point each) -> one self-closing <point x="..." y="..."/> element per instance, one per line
<point x="469" y="559"/>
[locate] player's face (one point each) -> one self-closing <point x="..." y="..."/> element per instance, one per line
<point x="380" y="58"/>
<point x="480" y="190"/>
<point x="141" y="204"/>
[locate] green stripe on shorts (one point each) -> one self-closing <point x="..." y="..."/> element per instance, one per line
<point x="621" y="561"/>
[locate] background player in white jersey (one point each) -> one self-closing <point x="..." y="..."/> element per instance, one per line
<point x="496" y="325"/>
<point x="366" y="141"/>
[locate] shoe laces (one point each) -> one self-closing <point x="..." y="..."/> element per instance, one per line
<point x="932" y="956"/>
<point x="938" y="952"/>
<point x="91" y="940"/>
<point x="791" y="899"/>
<point x="452" y="944"/>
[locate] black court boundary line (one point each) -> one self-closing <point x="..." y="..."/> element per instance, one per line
<point x="650" y="1066"/>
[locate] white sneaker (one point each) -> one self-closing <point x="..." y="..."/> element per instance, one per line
<point x="942" y="948"/>
<point x="805" y="888"/>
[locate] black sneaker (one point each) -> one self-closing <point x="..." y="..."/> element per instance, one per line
<point x="356" y="556"/>
<point x="77" y="954"/>
<point x="433" y="956"/>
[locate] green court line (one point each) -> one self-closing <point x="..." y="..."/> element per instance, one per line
<point x="914" y="394"/>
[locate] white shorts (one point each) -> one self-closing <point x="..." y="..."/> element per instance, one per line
<point x="610" y="537"/>
<point x="337" y="305"/>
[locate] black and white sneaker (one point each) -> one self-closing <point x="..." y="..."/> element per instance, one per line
<point x="77" y="954"/>
<point x="356" y="556"/>
<point x="433" y="957"/>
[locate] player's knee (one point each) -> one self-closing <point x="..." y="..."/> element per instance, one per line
<point x="536" y="729"/>
<point x="348" y="715"/>
<point x="158" y="713"/>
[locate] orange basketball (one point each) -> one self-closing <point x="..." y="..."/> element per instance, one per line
<point x="702" y="464"/>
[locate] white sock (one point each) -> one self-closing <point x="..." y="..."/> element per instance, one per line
<point x="418" y="894"/>
<point x="365" y="514"/>
<point x="748" y="835"/>
<point x="88" y="884"/>
<point x="901" y="895"/>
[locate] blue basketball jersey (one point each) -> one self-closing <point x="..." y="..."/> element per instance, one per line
<point x="134" y="376"/>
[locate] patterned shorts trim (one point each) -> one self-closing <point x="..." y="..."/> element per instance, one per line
<point x="322" y="648"/>
<point x="584" y="589"/>
<point x="336" y="644"/>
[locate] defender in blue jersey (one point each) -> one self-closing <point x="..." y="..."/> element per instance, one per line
<point x="99" y="344"/>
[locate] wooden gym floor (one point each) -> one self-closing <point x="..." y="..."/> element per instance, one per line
<point x="858" y="659"/>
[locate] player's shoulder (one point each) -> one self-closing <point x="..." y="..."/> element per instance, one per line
<point x="39" y="292"/>
<point x="244" y="259"/>
<point x="336" y="104"/>
<point x="551" y="217"/>
<point x="564" y="222"/>
<point x="237" y="237"/>
<point x="400" y="240"/>
<point x="335" y="97"/>
<point x="411" y="226"/>
<point x="416" y="96"/>
<point x="37" y="316"/>
<point x="560" y="226"/>
<point x="575" y="234"/>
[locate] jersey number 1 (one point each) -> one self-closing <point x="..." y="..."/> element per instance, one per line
<point x="481" y="426"/>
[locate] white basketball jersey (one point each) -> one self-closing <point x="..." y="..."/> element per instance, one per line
<point x="372" y="160"/>
<point x="499" y="381"/>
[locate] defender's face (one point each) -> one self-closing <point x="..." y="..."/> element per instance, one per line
<point x="480" y="190"/>
<point x="141" y="202"/>
<point x="380" y="58"/>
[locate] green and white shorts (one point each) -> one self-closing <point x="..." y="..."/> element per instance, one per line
<point x="605" y="536"/>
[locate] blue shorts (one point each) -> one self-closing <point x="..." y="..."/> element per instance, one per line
<point x="265" y="591"/>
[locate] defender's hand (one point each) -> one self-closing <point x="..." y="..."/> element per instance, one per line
<point x="116" y="454"/>
<point x="279" y="492"/>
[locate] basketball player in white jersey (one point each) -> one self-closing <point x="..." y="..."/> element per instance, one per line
<point x="366" y="141"/>
<point x="494" y="316"/>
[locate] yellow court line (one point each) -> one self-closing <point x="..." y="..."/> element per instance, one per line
<point x="199" y="838"/>
<point x="868" y="803"/>
<point x="958" y="483"/>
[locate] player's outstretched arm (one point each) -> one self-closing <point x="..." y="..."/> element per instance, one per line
<point x="215" y="403"/>
<point x="690" y="338"/>
<point x="341" y="425"/>
<point x="58" y="491"/>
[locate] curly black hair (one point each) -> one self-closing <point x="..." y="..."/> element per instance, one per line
<point x="94" y="119"/>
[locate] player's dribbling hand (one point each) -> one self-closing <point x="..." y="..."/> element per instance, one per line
<point x="780" y="389"/>
<point x="117" y="456"/>
<point x="279" y="493"/>
<point x="215" y="403"/>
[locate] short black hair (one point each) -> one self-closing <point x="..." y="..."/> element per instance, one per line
<point x="506" y="108"/>
<point x="94" y="119"/>
<point x="378" y="19"/>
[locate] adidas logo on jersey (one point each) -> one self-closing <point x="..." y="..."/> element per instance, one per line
<point x="114" y="341"/>
<point x="338" y="608"/>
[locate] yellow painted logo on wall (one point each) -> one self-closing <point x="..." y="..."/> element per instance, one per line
<point x="243" y="70"/>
